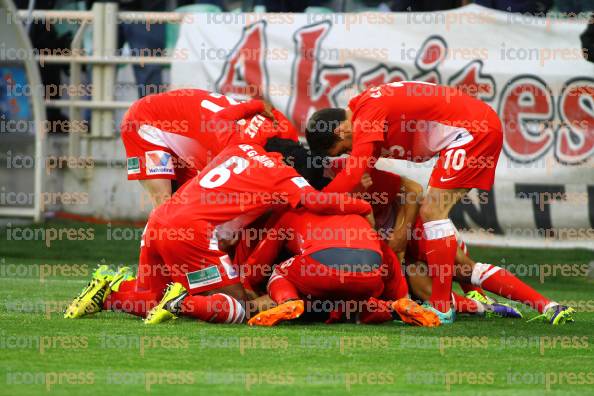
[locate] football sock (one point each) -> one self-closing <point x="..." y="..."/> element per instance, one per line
<point x="127" y="299"/>
<point x="216" y="308"/>
<point x="466" y="305"/>
<point x="502" y="282"/>
<point x="375" y="311"/>
<point x="395" y="286"/>
<point x="280" y="289"/>
<point x="440" y="249"/>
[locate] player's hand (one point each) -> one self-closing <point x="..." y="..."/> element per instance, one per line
<point x="269" y="112"/>
<point x="366" y="181"/>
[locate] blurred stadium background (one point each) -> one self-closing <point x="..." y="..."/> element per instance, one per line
<point x="71" y="69"/>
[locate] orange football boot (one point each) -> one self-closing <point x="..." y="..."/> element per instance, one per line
<point x="286" y="311"/>
<point x="412" y="313"/>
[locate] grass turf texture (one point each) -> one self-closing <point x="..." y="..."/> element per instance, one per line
<point x="114" y="353"/>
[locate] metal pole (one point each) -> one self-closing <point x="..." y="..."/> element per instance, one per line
<point x="97" y="70"/>
<point x="110" y="45"/>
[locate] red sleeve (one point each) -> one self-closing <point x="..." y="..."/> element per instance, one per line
<point x="299" y="192"/>
<point x="334" y="203"/>
<point x="259" y="264"/>
<point x="285" y="127"/>
<point x="357" y="164"/>
<point x="240" y="111"/>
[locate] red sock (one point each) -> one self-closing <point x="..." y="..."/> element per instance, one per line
<point x="375" y="311"/>
<point x="440" y="249"/>
<point x="280" y="289"/>
<point x="502" y="282"/>
<point x="466" y="305"/>
<point x="216" y="308"/>
<point x="128" y="299"/>
<point x="395" y="286"/>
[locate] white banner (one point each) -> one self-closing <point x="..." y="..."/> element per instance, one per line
<point x="530" y="70"/>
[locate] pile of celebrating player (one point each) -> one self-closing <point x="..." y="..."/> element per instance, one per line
<point x="248" y="225"/>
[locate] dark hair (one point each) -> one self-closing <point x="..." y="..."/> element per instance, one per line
<point x="319" y="131"/>
<point x="296" y="156"/>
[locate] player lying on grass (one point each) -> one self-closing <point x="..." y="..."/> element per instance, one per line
<point x="335" y="258"/>
<point x="171" y="136"/>
<point x="415" y="121"/>
<point x="181" y="240"/>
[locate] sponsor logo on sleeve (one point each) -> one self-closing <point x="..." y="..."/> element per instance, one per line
<point x="133" y="165"/>
<point x="204" y="277"/>
<point x="159" y="163"/>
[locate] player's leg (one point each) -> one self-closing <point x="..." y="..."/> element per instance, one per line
<point x="120" y="290"/>
<point x="395" y="286"/>
<point x="468" y="162"/>
<point x="440" y="242"/>
<point x="461" y="258"/>
<point x="140" y="295"/>
<point x="283" y="292"/>
<point x="421" y="284"/>
<point x="206" y="284"/>
<point x="500" y="281"/>
<point x="158" y="190"/>
<point x="323" y="281"/>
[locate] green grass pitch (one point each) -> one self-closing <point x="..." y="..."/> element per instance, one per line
<point x="115" y="354"/>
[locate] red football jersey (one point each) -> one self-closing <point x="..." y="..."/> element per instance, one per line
<point x="239" y="185"/>
<point x="303" y="232"/>
<point x="191" y="123"/>
<point x="313" y="232"/>
<point x="415" y="120"/>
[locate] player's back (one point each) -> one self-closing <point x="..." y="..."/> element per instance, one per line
<point x="308" y="232"/>
<point x="421" y="118"/>
<point x="239" y="185"/>
<point x="187" y="122"/>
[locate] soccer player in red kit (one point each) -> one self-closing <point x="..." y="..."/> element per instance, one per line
<point x="173" y="135"/>
<point x="337" y="258"/>
<point x="415" y="121"/>
<point x="181" y="240"/>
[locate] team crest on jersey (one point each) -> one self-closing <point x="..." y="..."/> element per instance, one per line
<point x="159" y="163"/>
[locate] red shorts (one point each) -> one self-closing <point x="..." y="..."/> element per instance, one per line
<point x="314" y="280"/>
<point x="151" y="159"/>
<point x="470" y="162"/>
<point x="188" y="255"/>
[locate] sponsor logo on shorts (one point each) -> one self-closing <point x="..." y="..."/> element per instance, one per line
<point x="204" y="277"/>
<point x="133" y="165"/>
<point x="159" y="163"/>
<point x="300" y="182"/>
